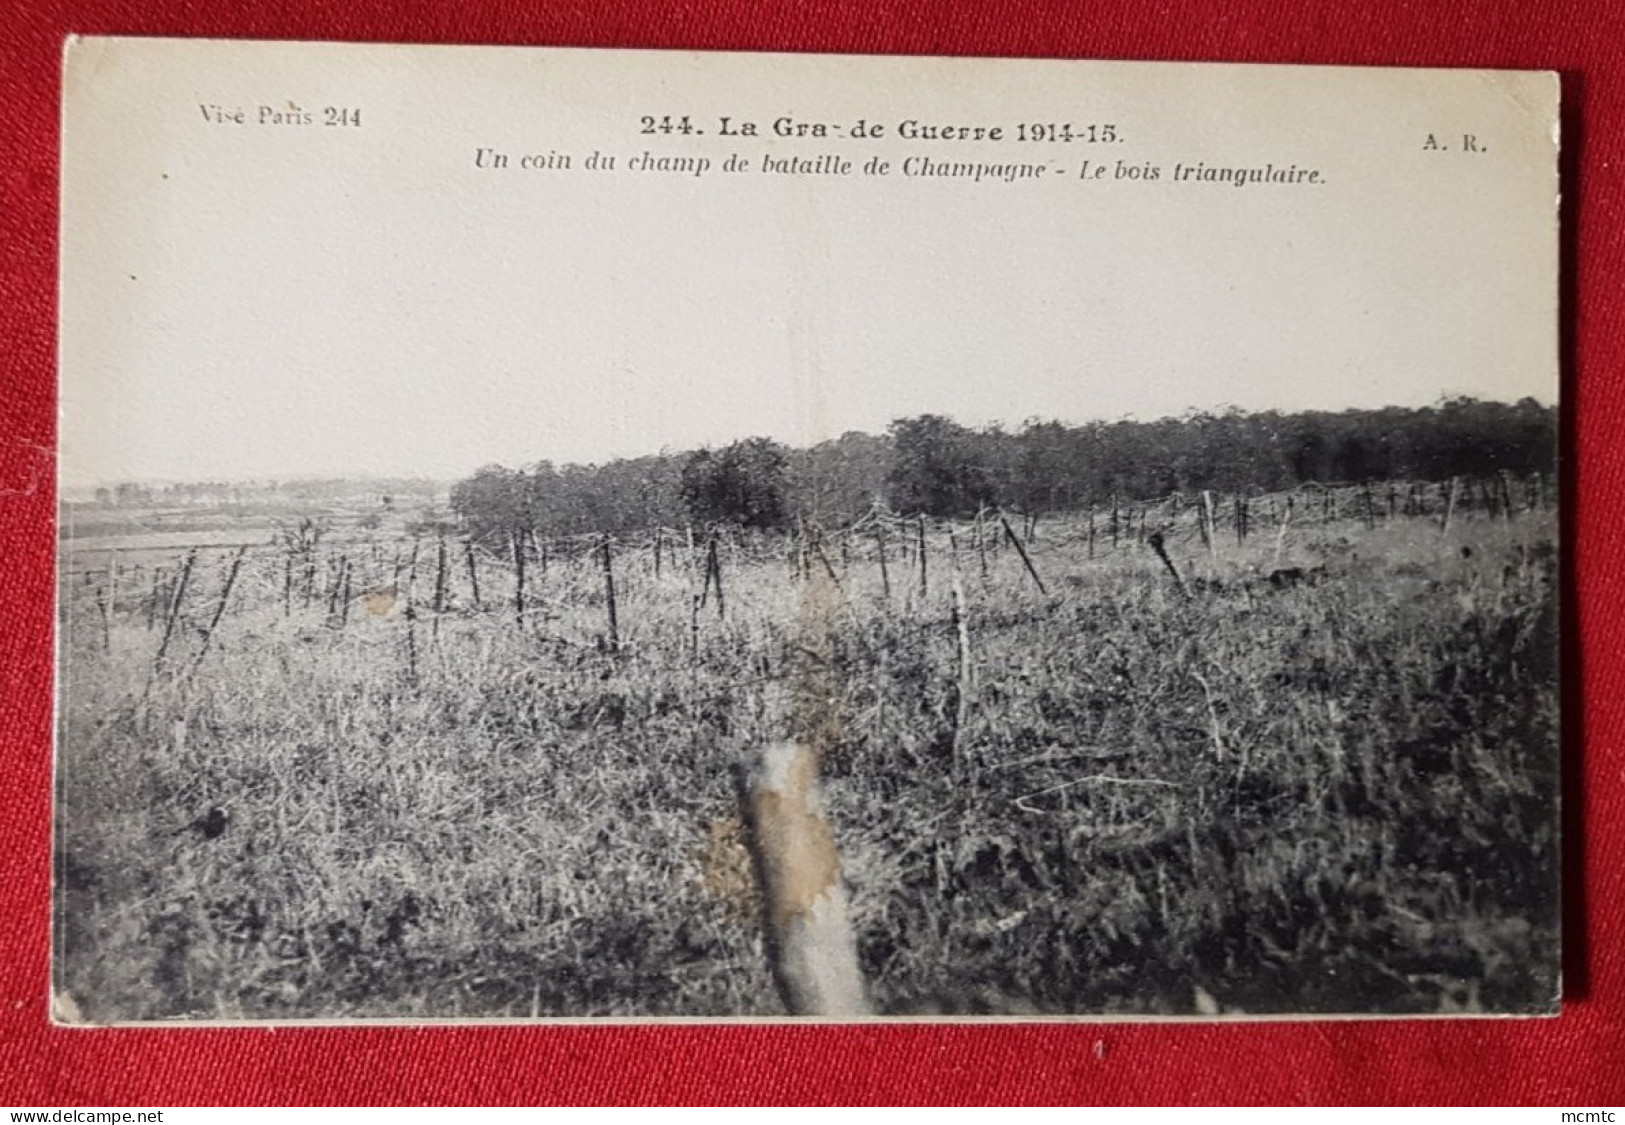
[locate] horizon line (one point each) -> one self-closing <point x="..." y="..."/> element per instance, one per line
<point x="366" y="476"/>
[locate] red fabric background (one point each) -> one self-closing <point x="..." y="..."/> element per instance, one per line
<point x="1578" y="1059"/>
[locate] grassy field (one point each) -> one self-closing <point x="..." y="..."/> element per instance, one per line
<point x="1332" y="794"/>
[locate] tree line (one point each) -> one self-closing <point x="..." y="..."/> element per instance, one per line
<point x="931" y="465"/>
<point x="321" y="490"/>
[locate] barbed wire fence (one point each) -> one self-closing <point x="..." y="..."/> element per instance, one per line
<point x="308" y="579"/>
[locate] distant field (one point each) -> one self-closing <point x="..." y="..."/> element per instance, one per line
<point x="1331" y="791"/>
<point x="153" y="535"/>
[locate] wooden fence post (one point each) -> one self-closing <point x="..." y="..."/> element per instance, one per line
<point x="694" y="604"/>
<point x="334" y="588"/>
<point x="101" y="607"/>
<point x="1022" y="551"/>
<point x="965" y="688"/>
<point x="829" y="568"/>
<point x="175" y="601"/>
<point x="609" y="596"/>
<point x="473" y="574"/>
<point x="112" y="590"/>
<point x="410" y="613"/>
<point x="921" y="530"/>
<point x="518" y="543"/>
<point x="219" y="611"/>
<point x="880" y="549"/>
<point x="1280" y="536"/>
<point x="715" y="563"/>
<point x="809" y="935"/>
<point x="1156" y="542"/>
<point x="439" y="584"/>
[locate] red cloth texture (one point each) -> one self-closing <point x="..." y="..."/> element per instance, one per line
<point x="1577" y="1060"/>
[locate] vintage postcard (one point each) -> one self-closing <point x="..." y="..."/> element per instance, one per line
<point x="562" y="534"/>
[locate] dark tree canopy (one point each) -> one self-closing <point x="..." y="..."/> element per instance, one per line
<point x="492" y="502"/>
<point x="932" y="465"/>
<point x="743" y="484"/>
<point x="938" y="467"/>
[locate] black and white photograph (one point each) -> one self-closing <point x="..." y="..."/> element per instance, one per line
<point x="607" y="535"/>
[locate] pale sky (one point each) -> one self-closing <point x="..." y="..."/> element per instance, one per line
<point x="248" y="302"/>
